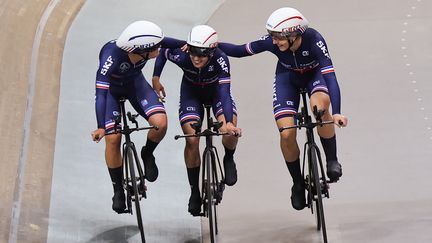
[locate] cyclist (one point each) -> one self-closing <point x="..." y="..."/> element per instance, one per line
<point x="206" y="80"/>
<point x="304" y="61"/>
<point x="119" y="75"/>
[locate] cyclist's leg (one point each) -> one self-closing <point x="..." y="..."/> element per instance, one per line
<point x="229" y="143"/>
<point x="190" y="112"/>
<point x="146" y="102"/>
<point x="319" y="97"/>
<point x="285" y="104"/>
<point x="113" y="154"/>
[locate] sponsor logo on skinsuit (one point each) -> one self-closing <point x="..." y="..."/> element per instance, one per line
<point x="323" y="48"/>
<point x="106" y="65"/>
<point x="223" y="64"/>
<point x="124" y="67"/>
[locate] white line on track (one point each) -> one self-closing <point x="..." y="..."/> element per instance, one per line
<point x="409" y="66"/>
<point x="19" y="182"/>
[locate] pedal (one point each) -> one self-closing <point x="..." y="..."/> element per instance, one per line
<point x="131" y="192"/>
<point x="219" y="192"/>
<point x="142" y="190"/>
<point x="309" y="200"/>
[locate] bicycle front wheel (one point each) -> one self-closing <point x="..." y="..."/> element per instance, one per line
<point x="131" y="164"/>
<point x="317" y="202"/>
<point x="211" y="201"/>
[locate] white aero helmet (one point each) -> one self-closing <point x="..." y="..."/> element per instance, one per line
<point x="140" y="36"/>
<point x="287" y="21"/>
<point x="202" y="40"/>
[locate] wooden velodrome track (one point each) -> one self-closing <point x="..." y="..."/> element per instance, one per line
<point x="30" y="68"/>
<point x="382" y="56"/>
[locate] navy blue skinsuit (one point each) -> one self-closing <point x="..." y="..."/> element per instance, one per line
<point x="118" y="77"/>
<point x="310" y="66"/>
<point x="208" y="85"/>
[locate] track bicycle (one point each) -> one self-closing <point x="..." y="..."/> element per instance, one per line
<point x="317" y="185"/>
<point x="133" y="184"/>
<point x="212" y="179"/>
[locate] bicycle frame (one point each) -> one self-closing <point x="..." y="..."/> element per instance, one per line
<point x="211" y="187"/>
<point x="130" y="161"/>
<point x="316" y="181"/>
<point x="310" y="138"/>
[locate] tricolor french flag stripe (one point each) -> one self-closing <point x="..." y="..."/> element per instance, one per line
<point x="189" y="117"/>
<point x="109" y="125"/>
<point x="249" y="49"/>
<point x="284" y="112"/>
<point x="102" y="85"/>
<point x="328" y="69"/>
<point x="224" y="81"/>
<point x="218" y="112"/>
<point x="154" y="109"/>
<point x="319" y="88"/>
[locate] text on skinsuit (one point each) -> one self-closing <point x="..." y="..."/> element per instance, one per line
<point x="323" y="48"/>
<point x="106" y="66"/>
<point x="223" y="64"/>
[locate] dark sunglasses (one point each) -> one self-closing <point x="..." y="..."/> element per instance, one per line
<point x="282" y="35"/>
<point x="201" y="52"/>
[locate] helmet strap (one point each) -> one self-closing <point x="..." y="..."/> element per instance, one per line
<point x="136" y="58"/>
<point x="145" y="56"/>
<point x="294" y="44"/>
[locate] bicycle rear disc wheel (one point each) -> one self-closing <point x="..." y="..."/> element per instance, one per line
<point x="131" y="165"/>
<point x="317" y="202"/>
<point x="210" y="197"/>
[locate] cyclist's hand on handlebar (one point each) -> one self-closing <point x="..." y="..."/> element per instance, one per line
<point x="340" y="120"/>
<point x="159" y="88"/>
<point x="98" y="134"/>
<point x="233" y="130"/>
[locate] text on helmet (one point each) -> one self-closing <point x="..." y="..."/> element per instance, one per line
<point x="291" y="29"/>
<point x="144" y="46"/>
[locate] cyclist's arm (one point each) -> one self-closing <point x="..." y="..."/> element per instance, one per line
<point x="103" y="74"/>
<point x="160" y="62"/>
<point x="224" y="87"/>
<point x="169" y="42"/>
<point x="224" y="90"/>
<point x="249" y="49"/>
<point x="327" y="70"/>
<point x="102" y="89"/>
